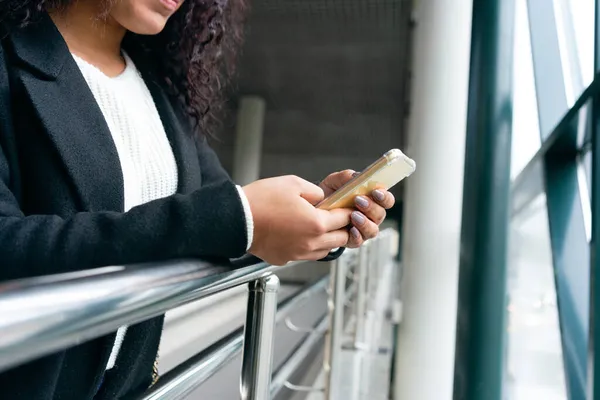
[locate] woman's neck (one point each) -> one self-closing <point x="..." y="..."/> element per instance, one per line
<point x="96" y="40"/>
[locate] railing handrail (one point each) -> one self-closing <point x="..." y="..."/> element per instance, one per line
<point x="45" y="314"/>
<point x="192" y="373"/>
<point x="42" y="315"/>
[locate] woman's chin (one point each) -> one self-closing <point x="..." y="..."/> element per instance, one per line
<point x="149" y="25"/>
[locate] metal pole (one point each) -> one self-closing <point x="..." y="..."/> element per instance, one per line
<point x="335" y="304"/>
<point x="373" y="261"/>
<point x="249" y="139"/>
<point x="374" y="280"/>
<point x="593" y="377"/>
<point x="565" y="205"/>
<point x="374" y="267"/>
<point x="361" y="295"/>
<point x="481" y="329"/>
<point x="593" y="390"/>
<point x="258" y="338"/>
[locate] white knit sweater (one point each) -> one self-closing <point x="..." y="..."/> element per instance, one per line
<point x="145" y="154"/>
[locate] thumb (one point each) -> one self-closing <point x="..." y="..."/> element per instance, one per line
<point x="310" y="192"/>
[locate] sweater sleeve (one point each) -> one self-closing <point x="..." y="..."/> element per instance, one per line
<point x="249" y="217"/>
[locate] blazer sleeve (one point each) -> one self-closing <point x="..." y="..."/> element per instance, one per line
<point x="209" y="222"/>
<point x="211" y="167"/>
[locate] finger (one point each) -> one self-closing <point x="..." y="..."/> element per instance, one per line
<point x="309" y="191"/>
<point x="338" y="179"/>
<point x="370" y="209"/>
<point x="335" y="219"/>
<point x="332" y="240"/>
<point x="367" y="228"/>
<point x="383" y="198"/>
<point x="355" y="240"/>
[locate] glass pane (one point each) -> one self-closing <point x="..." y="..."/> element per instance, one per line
<point x="587" y="165"/>
<point x="582" y="14"/>
<point x="526" y="132"/>
<point x="534" y="353"/>
<point x="575" y="29"/>
<point x="584" y="172"/>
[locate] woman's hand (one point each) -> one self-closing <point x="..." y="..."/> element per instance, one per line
<point x="370" y="211"/>
<point x="287" y="226"/>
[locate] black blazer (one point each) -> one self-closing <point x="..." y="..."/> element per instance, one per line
<point x="61" y="207"/>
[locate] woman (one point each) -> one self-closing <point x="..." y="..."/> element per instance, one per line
<point x="104" y="107"/>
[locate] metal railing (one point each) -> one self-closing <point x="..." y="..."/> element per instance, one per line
<point x="357" y="317"/>
<point x="47" y="314"/>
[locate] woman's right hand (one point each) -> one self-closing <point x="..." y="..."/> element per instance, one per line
<point x="287" y="226"/>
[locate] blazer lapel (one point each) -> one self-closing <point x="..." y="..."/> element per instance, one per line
<point x="70" y="115"/>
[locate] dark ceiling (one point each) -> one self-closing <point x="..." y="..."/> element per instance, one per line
<point x="333" y="74"/>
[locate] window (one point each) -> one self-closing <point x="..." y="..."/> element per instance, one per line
<point x="534" y="353"/>
<point x="582" y="13"/>
<point x="526" y="131"/>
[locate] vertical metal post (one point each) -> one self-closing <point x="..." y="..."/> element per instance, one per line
<point x="480" y="334"/>
<point x="361" y="295"/>
<point x="373" y="269"/>
<point x="594" y="338"/>
<point x="384" y="249"/>
<point x="381" y="250"/>
<point x="593" y="390"/>
<point x="396" y="317"/>
<point x="566" y="221"/>
<point x="249" y="138"/>
<point x="372" y="260"/>
<point x="258" y="338"/>
<point x="335" y="305"/>
<point x="370" y="319"/>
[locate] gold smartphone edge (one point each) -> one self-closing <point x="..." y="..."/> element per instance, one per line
<point x="388" y="158"/>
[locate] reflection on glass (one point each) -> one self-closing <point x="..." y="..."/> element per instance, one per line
<point x="587" y="165"/>
<point x="534" y="352"/>
<point x="584" y="178"/>
<point x="582" y="14"/>
<point x="526" y="132"/>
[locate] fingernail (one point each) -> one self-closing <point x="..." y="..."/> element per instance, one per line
<point x="379" y="195"/>
<point x="355" y="233"/>
<point x="358" y="218"/>
<point x="354" y="175"/>
<point x="361" y="202"/>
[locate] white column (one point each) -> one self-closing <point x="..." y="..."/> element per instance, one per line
<point x="248" y="142"/>
<point x="433" y="200"/>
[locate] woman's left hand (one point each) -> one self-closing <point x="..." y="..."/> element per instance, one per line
<point x="370" y="210"/>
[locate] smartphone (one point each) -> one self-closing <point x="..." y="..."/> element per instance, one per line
<point x="384" y="173"/>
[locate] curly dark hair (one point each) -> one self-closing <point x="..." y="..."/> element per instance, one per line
<point x="194" y="54"/>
